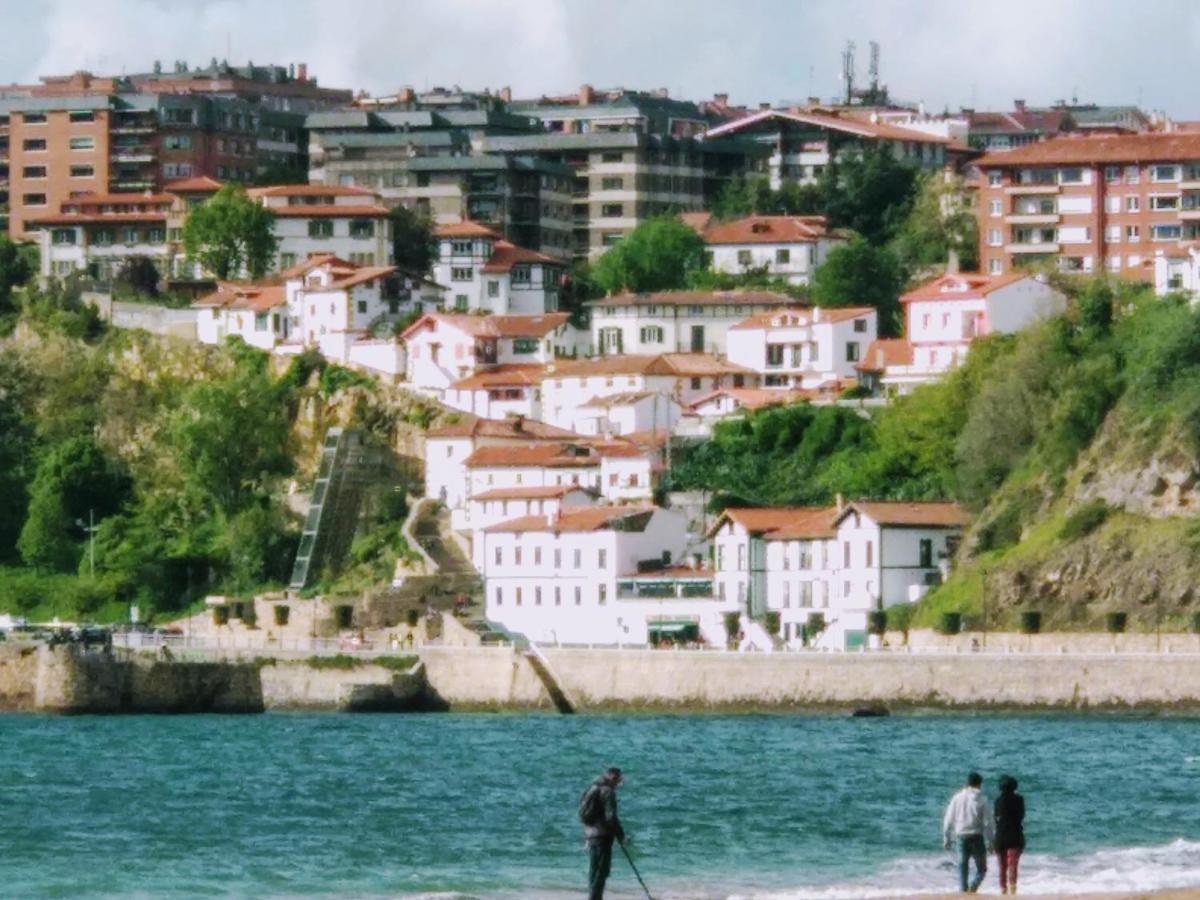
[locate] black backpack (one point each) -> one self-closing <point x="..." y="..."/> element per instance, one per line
<point x="591" y="806"/>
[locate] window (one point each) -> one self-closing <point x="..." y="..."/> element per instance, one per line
<point x="84" y="142"/>
<point x="652" y="334"/>
<point x="1164" y="202"/>
<point x="1071" y="175"/>
<point x="461" y="303"/>
<point x="860" y="325"/>
<point x="612" y="183"/>
<point x="994" y="178"/>
<point x="130" y="235"/>
<point x="63" y="236"/>
<point x="741" y="557"/>
<point x="852" y="351"/>
<point x="612" y="211"/>
<point x="994" y="237"/>
<point x="744" y="258"/>
<point x="177" y="142"/>
<point x="557" y="558"/>
<point x="1112" y="234"/>
<point x="1132" y="203"/>
<point x="1114" y="264"/>
<point x="361" y="306"/>
<point x="516" y="556"/>
<point x="521" y="275"/>
<point x="461" y="273"/>
<point x="870" y="553"/>
<point x="1112" y="204"/>
<point x="557" y="595"/>
<point x="1164" y="173"/>
<point x="1131" y="174"/>
<point x="518" y="597"/>
<point x="156" y="235"/>
<point x="578" y="595"/>
<point x="34" y="199"/>
<point x="846" y="556"/>
<point x="103" y="237"/>
<point x="695" y="383"/>
<point x="994" y="207"/>
<point x="499" y="555"/>
<point x="1112" y="174"/>
<point x="362" y="228"/>
<point x="320" y="228"/>
<point x="774" y="354"/>
<point x="34" y="172"/>
<point x="601" y="558"/>
<point x="1166" y="232"/>
<point x="83" y="172"/>
<point x="34" y="145"/>
<point x="602" y="593"/>
<point x="783" y="256"/>
<point x="926" y="553"/>
<point x="525" y="345"/>
<point x="260" y="322"/>
<point x="612" y="157"/>
<point x="286" y="260"/>
<point x="34" y="118"/>
<point x="579" y="559"/>
<point x="493" y="288"/>
<point x="995" y="267"/>
<point x="1133" y="233"/>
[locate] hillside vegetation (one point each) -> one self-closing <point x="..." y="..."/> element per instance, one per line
<point x="1074" y="444"/>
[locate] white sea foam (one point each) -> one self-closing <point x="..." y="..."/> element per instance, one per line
<point x="1170" y="866"/>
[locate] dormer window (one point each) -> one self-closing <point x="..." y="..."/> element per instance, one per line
<point x="760" y="228"/>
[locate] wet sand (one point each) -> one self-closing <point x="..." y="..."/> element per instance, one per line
<point x="1187" y="894"/>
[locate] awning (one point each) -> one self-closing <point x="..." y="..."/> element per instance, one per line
<point x="672" y="627"/>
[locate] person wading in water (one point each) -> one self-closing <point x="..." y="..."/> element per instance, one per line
<point x="969" y="818"/>
<point x="601" y="826"/>
<point x="1010" y="832"/>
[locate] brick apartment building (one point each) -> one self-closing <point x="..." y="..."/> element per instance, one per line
<point x="80" y="134"/>
<point x="1087" y="204"/>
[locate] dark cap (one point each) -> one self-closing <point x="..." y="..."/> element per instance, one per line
<point x="612" y="774"/>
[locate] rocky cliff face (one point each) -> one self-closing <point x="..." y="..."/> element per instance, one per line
<point x="1154" y="478"/>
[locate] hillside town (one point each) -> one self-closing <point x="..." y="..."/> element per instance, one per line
<point x="559" y="409"/>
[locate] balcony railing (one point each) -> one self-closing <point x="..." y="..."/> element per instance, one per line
<point x="1030" y="218"/>
<point x="664" y="589"/>
<point x="1032" y="189"/>
<point x="1032" y="248"/>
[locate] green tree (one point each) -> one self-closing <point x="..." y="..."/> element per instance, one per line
<point x="658" y="255"/>
<point x="870" y="193"/>
<point x="412" y="239"/>
<point x="859" y="274"/>
<point x="230" y="233"/>
<point x="940" y="221"/>
<point x="16" y="269"/>
<point x="140" y="276"/>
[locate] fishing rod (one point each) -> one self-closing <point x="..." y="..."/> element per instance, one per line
<point x="636" y="873"/>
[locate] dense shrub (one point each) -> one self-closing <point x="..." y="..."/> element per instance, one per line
<point x="950" y="623"/>
<point x="1084" y="520"/>
<point x="1031" y="621"/>
<point x="1115" y="622"/>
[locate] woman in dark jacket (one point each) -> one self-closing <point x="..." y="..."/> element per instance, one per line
<point x="1010" y="833"/>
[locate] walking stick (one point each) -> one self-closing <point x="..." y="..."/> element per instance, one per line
<point x="636" y="873"/>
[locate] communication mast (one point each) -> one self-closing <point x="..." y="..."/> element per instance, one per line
<point x="848" y="71"/>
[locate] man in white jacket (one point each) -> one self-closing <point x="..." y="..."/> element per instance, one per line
<point x="969" y="819"/>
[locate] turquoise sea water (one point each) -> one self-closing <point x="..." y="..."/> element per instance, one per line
<point x="485" y="805"/>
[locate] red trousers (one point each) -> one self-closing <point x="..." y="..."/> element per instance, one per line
<point x="1008" y="860"/>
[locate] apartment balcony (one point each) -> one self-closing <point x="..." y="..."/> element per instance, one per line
<point x="132" y="155"/>
<point x="1189" y="184"/>
<point x="1190" y="215"/>
<point x="132" y="128"/>
<point x="1033" y="219"/>
<point x="132" y="184"/>
<point x="1032" y="248"/>
<point x="1017" y="189"/>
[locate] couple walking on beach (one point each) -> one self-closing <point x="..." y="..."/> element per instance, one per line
<point x="979" y="828"/>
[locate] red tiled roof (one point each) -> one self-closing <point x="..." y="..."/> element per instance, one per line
<point x="363" y="276"/>
<point x="677" y="364"/>
<point x="505" y="255"/>
<point x="767" y="520"/>
<point x="200" y="185"/>
<point x="254" y="297"/>
<point x="310" y="190"/>
<point x="962" y="286"/>
<point x="493" y="326"/>
<point x="756" y="398"/>
<point x="800" y="316"/>
<point x="885" y="353"/>
<point x="556" y="455"/>
<point x="71" y="218"/>
<point x="909" y="514"/>
<point x="327" y="211"/>
<point x="696" y="298"/>
<point x="855" y="127"/>
<point x="515" y="374"/>
<point x="768" y="230"/>
<point x="1019" y="120"/>
<point x="126" y="199"/>
<point x="516" y="428"/>
<point x="585" y="518"/>
<point x="466" y="229"/>
<point x="1108" y="148"/>
<point x="548" y="492"/>
<point x="697" y="221"/>
<point x="622" y="399"/>
<point x="313" y="262"/>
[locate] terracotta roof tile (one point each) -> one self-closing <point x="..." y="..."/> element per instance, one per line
<point x="910" y="514"/>
<point x="551" y="455"/>
<point x="756" y="398"/>
<point x="962" y="286"/>
<point x="586" y="518"/>
<point x="254" y="297"/>
<point x="493" y="326"/>
<point x="363" y="276"/>
<point x="768" y="230"/>
<point x="466" y="229"/>
<point x="547" y="492"/>
<point x="310" y="190"/>
<point x="327" y="211"/>
<point x="856" y="127"/>
<point x="886" y="353"/>
<point x="696" y="298"/>
<point x="1108" y="148"/>
<point x="677" y="364"/>
<point x="200" y="185"/>
<point x="767" y="520"/>
<point x="515" y="428"/>
<point x="802" y="316"/>
<point x="505" y="255"/>
<point x="508" y="375"/>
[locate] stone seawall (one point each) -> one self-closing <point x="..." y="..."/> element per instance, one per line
<point x="67" y="680"/>
<point x="663" y="679"/>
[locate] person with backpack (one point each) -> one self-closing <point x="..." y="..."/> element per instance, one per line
<point x="601" y="826"/>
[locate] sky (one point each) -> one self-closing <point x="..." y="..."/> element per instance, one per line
<point x="946" y="53"/>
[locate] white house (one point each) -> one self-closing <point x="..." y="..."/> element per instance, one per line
<point x="487" y="273"/>
<point x="701" y="414"/>
<point x="448" y="446"/>
<point x="823" y="569"/>
<point x="512" y="389"/>
<point x="571" y="386"/>
<point x="445" y="348"/>
<point x="256" y="313"/>
<point x="627" y="413"/>
<point x="502" y="504"/>
<point x="597" y="575"/>
<point x="944" y="316"/>
<point x="803" y="348"/>
<point x="317" y="219"/>
<point x="788" y="247"/>
<point x="674" y="321"/>
<point x="1177" y="270"/>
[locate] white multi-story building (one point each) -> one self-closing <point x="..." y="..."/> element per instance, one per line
<point x="569" y="386"/>
<point x="628" y="413"/>
<point x="832" y="564"/>
<point x="944" y="316"/>
<point x="325" y="303"/>
<point x="619" y="471"/>
<point x="803" y="348"/>
<point x="448" y="446"/>
<point x="318" y="219"/>
<point x="445" y="348"/>
<point x="503" y="504"/>
<point x="787" y="247"/>
<point x="597" y="575"/>
<point x="487" y="273"/>
<point x="674" y="321"/>
<point x="1177" y="270"/>
<point x="511" y="389"/>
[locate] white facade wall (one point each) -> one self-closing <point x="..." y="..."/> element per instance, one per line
<point x="494" y="403"/>
<point x="384" y="356"/>
<point x="564" y="395"/>
<point x="485" y="478"/>
<point x="1178" y="273"/>
<point x="627" y="479"/>
<point x="296" y="244"/>
<point x="438" y="357"/>
<point x="562" y="588"/>
<point x="459" y="267"/>
<point x="811" y="355"/>
<point x="654" y="412"/>
<point x="802" y="258"/>
<point x="445" y="475"/>
<point x="664" y="329"/>
<point x="798" y="583"/>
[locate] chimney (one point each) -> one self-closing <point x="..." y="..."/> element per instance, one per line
<point x="721" y="99"/>
<point x="302" y="72"/>
<point x="816" y="317"/>
<point x="586" y="95"/>
<point x="952" y="262"/>
<point x="506" y="94"/>
<point x="1019" y="105"/>
<point x="405" y="94"/>
<point x="840" y="502"/>
<point x="764" y="106"/>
